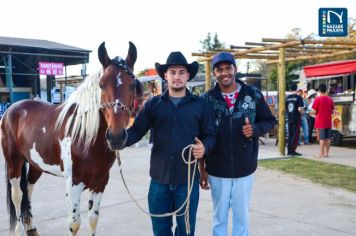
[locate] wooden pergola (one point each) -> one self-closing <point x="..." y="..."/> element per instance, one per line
<point x="281" y="51"/>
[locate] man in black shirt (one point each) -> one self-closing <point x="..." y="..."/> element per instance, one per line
<point x="294" y="108"/>
<point x="178" y="118"/>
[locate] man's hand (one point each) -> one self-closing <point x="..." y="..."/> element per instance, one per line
<point x="247" y="128"/>
<point x="198" y="149"/>
<point x="203" y="176"/>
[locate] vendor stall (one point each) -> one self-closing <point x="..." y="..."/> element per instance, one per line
<point x="340" y="77"/>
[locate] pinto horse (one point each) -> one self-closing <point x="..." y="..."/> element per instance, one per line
<point x="76" y="140"/>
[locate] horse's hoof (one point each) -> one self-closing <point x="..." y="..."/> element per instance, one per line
<point x="32" y="232"/>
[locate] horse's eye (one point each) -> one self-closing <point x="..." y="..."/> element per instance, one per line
<point x="101" y="85"/>
<point x="133" y="87"/>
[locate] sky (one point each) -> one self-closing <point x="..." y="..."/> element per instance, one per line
<point x="158" y="27"/>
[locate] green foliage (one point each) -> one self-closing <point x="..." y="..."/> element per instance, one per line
<point x="290" y="66"/>
<point x="209" y="44"/>
<point x="334" y="175"/>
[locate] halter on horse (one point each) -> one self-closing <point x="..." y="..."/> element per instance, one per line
<point x="75" y="140"/>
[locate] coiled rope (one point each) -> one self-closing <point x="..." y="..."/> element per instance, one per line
<point x="190" y="183"/>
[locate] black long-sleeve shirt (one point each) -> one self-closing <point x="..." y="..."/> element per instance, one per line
<point x="174" y="127"/>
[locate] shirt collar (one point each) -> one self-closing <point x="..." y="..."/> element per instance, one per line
<point x="188" y="95"/>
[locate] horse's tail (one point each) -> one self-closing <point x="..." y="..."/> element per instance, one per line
<point x="25" y="205"/>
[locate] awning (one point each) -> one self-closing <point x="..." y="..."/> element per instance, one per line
<point x="330" y="69"/>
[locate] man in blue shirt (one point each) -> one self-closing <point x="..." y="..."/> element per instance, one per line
<point x="178" y="119"/>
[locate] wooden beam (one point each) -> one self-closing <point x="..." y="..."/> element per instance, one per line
<point x="258" y="57"/>
<point x="269" y="47"/>
<point x="308" y="41"/>
<point x="309" y="50"/>
<point x="212" y="53"/>
<point x="294" y="50"/>
<point x="337" y="47"/>
<point x="268" y="57"/>
<point x="240" y="47"/>
<point x="240" y="53"/>
<point x="258" y="44"/>
<point x="323" y="56"/>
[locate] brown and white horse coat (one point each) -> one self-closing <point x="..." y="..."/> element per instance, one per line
<point x="70" y="140"/>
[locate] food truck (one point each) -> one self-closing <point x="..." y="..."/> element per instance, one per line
<point x="340" y="78"/>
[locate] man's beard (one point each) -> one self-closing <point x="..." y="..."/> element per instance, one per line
<point x="178" y="89"/>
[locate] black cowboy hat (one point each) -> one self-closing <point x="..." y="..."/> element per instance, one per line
<point x="177" y="58"/>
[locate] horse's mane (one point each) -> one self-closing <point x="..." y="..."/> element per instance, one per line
<point x="84" y="105"/>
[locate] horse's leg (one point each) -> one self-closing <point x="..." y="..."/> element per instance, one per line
<point x="17" y="179"/>
<point x="73" y="194"/>
<point x="33" y="176"/>
<point x="15" y="168"/>
<point x="93" y="211"/>
<point x="16" y="197"/>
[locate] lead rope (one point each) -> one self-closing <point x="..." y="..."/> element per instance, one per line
<point x="190" y="184"/>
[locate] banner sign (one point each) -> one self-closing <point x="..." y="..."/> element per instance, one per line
<point x="50" y="68"/>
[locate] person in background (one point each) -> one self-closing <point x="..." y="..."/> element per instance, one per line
<point x="336" y="87"/>
<point x="323" y="107"/>
<point x="178" y="119"/>
<point x="339" y="88"/>
<point x="294" y="108"/>
<point x="311" y="117"/>
<point x="241" y="116"/>
<point x="304" y="120"/>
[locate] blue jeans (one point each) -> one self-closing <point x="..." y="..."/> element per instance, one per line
<point x="234" y="193"/>
<point x="165" y="198"/>
<point x="305" y="128"/>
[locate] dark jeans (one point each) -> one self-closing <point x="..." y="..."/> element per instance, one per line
<point x="293" y="136"/>
<point x="165" y="198"/>
<point x="311" y="128"/>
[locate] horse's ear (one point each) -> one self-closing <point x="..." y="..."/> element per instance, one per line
<point x="103" y="55"/>
<point x="131" y="55"/>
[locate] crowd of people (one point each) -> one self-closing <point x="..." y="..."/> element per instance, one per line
<point x="309" y="110"/>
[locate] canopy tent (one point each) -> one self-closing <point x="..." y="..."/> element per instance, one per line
<point x="330" y="69"/>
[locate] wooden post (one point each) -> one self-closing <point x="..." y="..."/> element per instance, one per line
<point x="207" y="75"/>
<point x="281" y="100"/>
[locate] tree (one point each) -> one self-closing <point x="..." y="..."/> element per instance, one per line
<point x="206" y="43"/>
<point x="209" y="44"/>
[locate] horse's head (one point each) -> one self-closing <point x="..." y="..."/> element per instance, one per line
<point x="120" y="94"/>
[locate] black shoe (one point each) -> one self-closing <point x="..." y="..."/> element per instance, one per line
<point x="296" y="154"/>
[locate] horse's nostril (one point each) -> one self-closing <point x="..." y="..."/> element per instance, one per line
<point x="116" y="140"/>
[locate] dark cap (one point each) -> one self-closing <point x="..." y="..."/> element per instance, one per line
<point x="223" y="57"/>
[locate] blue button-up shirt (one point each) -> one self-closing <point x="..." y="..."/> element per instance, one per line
<point x="174" y="127"/>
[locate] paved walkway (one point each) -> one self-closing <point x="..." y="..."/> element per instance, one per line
<point x="282" y="205"/>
